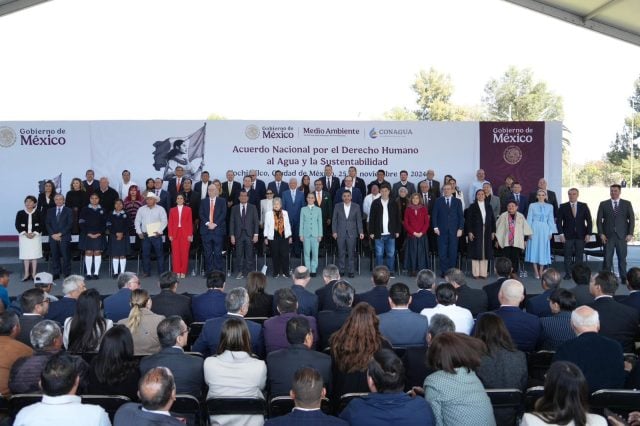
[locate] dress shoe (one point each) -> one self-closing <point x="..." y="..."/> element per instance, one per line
<point x="96" y="277"/>
<point x="313" y="275"/>
<point x="115" y="276"/>
<point x="88" y="277"/>
<point x="27" y="278"/>
<point x="286" y="275"/>
<point x="567" y="276"/>
<point x="351" y="275"/>
<point x="145" y="276"/>
<point x="239" y="276"/>
<point x="56" y="276"/>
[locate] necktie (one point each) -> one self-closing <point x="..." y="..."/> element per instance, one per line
<point x="518" y="198"/>
<point x="615" y="207"/>
<point x="178" y="185"/>
<point x="448" y="203"/>
<point x="328" y="183"/>
<point x="58" y="211"/>
<point x="212" y="207"/>
<point x="318" y="198"/>
<point x="573" y="209"/>
<point x="243" y="212"/>
<point x="278" y="187"/>
<point x="230" y="186"/>
<point x="158" y="192"/>
<point x="425" y="199"/>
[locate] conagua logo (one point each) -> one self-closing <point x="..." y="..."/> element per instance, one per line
<point x="512" y="154"/>
<point x="373" y="133"/>
<point x="252" y="131"/>
<point x="7" y="137"/>
<point x="389" y="133"/>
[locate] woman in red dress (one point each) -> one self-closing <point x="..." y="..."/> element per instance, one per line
<point x="180" y="235"/>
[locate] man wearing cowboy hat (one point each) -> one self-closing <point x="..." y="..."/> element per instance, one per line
<point x="151" y="220"/>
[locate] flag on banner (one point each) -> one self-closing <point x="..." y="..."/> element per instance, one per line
<point x="187" y="152"/>
<point x="57" y="181"/>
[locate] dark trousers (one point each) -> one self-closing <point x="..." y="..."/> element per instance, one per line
<point x="513" y="254"/>
<point x="60" y="250"/>
<point x="154" y="243"/>
<point x="213" y="246"/>
<point x="245" y="260"/>
<point x="280" y="255"/>
<point x="570" y="247"/>
<point x="346" y="253"/>
<point x="619" y="245"/>
<point x="447" y="250"/>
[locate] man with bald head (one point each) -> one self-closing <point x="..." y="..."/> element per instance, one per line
<point x="292" y="202"/>
<point x="600" y="358"/>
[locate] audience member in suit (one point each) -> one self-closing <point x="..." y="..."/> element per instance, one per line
<point x="12" y="349"/>
<point x="475" y="300"/>
<point x="404" y="183"/>
<point x="615" y="222"/>
<point x="34" y="307"/>
<point x="385" y="225"/>
<point x="293" y="201"/>
<point x="358" y="182"/>
<point x="386" y="379"/>
<point x="142" y="323"/>
<point x="176" y="185"/>
<point x="231" y="188"/>
<point x="307" y="301"/>
<point x="213" y="229"/>
<point x="192" y="198"/>
<point x="575" y="227"/>
<point x="260" y="302"/>
<point x="187" y="369"/>
<point x="378" y="296"/>
<point x="325" y="202"/>
<point x="162" y="194"/>
<point x="330" y="183"/>
<point x="551" y="196"/>
<point x="448" y="224"/>
<point x="503" y="270"/>
<point x="258" y="185"/>
<point x="539" y="305"/>
<point x="243" y="231"/>
<point x="599" y="357"/>
<point x="117" y="305"/>
<point x="157" y="392"/>
<point x="401" y="326"/>
<point x="356" y="196"/>
<point x="617" y="321"/>
<point x="90" y="184"/>
<point x="633" y="284"/>
<point x="201" y="186"/>
<point x="210" y="304"/>
<point x="283" y="363"/>
<point x="307" y="392"/>
<point x="278" y="186"/>
<point x="581" y="275"/>
<point x="330" y="321"/>
<point x="346" y="229"/>
<point x="521" y="200"/>
<point x="274" y="328"/>
<point x="59" y="224"/>
<point x="378" y="181"/>
<point x="330" y="276"/>
<point x="446" y="297"/>
<point x="524" y="328"/>
<point x="424" y="297"/>
<point x="434" y="185"/>
<point x="169" y="302"/>
<point x="237" y="304"/>
<point x="556" y="329"/>
<point x="72" y="287"/>
<point x="505" y="191"/>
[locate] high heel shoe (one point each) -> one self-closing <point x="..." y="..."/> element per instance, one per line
<point x="27" y="278"/>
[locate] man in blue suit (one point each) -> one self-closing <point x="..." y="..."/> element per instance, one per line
<point x="292" y="202"/>
<point x="307" y="301"/>
<point x="633" y="284"/>
<point x="213" y="229"/>
<point x="356" y="195"/>
<point x="424" y="297"/>
<point x="448" y="223"/>
<point x="277" y="186"/>
<point x="516" y="195"/>
<point x="378" y="296"/>
<point x="237" y="304"/>
<point x="59" y="223"/>
<point x="575" y="225"/>
<point x="210" y="304"/>
<point x="164" y="195"/>
<point x="400" y="325"/>
<point x="539" y="305"/>
<point x="117" y="306"/>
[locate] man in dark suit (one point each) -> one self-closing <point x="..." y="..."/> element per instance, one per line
<point x="434" y="185"/>
<point x="475" y="300"/>
<point x="324" y="201"/>
<point x="516" y="195"/>
<point x="424" y="297"/>
<point x="90" y="184"/>
<point x="59" y="223"/>
<point x="278" y="186"/>
<point x="400" y="325"/>
<point x="231" y="188"/>
<point x="539" y="305"/>
<point x="118" y="305"/>
<point x="162" y="194"/>
<point x="581" y="275"/>
<point x="187" y="369"/>
<point x="379" y="180"/>
<point x="378" y="296"/>
<point x="633" y="284"/>
<point x="574" y="222"/>
<point x="356" y="195"/>
<point x="346" y="227"/>
<point x="72" y="287"/>
<point x="211" y="303"/>
<point x="600" y="358"/>
<point x="385" y="225"/>
<point x="274" y="327"/>
<point x="201" y="186"/>
<point x="157" y="391"/>
<point x="243" y="229"/>
<point x="307" y="301"/>
<point x="403" y="183"/>
<point x="503" y="270"/>
<point x="330" y="276"/>
<point x="176" y="185"/>
<point x="447" y="224"/>
<point x="330" y="183"/>
<point x="237" y="304"/>
<point x="617" y="321"/>
<point x="330" y="321"/>
<point x="258" y="185"/>
<point x="34" y="307"/>
<point x="358" y="182"/>
<point x="292" y="202"/>
<point x="615" y="223"/>
<point x="283" y="363"/>
<point x="213" y="214"/>
<point x="169" y="302"/>
<point x="247" y="186"/>
<point x="551" y="196"/>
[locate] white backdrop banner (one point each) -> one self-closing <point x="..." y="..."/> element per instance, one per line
<point x="36" y="151"/>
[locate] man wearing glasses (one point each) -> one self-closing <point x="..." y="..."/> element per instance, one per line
<point x="35" y="305"/>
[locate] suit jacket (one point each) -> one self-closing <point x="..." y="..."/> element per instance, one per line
<point x="22" y="222"/>
<point x="422" y="299"/>
<point x="329" y="322"/>
<point x="233" y="194"/>
<point x="293" y="207"/>
<point x="577" y="227"/>
<point x="398" y="408"/>
<point x="447" y="220"/>
<point x="187" y="221"/>
<point x="207" y="342"/>
<point x="523" y="204"/>
<point x="62" y="309"/>
<point x="583" y="294"/>
<point x="396" y="187"/>
<point x="207" y="305"/>
<point x="283" y="363"/>
<point x="335" y="185"/>
<point x="610" y="224"/>
<point x="633" y="300"/>
<point x="326" y="206"/>
<point x="375" y="182"/>
<point x="617" y="321"/>
<point x="524" y="328"/>
<point x="475" y="300"/>
<point x="588" y="351"/>
<point x="132" y="414"/>
<point x="197" y="187"/>
<point x="308" y="418"/>
<point x="394" y="225"/>
<point x="378" y="297"/>
<point x="219" y="217"/>
<point x="164" y="200"/>
<point x="311" y="223"/>
<point x="173" y="190"/>
<point x="284" y="186"/>
<point x="26" y="324"/>
<point x="307" y="301"/>
<point x="403" y="327"/>
<point x="325" y="297"/>
<point x="275" y="336"/>
<point x="187" y="369"/>
<point x="358" y="183"/>
<point x="347" y="226"/>
<point x="356" y="196"/>
<point x="168" y="303"/>
<point x="261" y="189"/>
<point x="247" y="227"/>
<point x="539" y="305"/>
<point x="62" y="224"/>
<point x="117" y="306"/>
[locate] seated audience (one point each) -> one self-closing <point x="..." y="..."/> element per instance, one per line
<point x="235" y="372"/>
<point x="169" y="302"/>
<point x="118" y="305"/>
<point x="600" y="358"/>
<point x="565" y="399"/>
<point x="157" y="391"/>
<point x="274" y="328"/>
<point x="260" y="302"/>
<point x="401" y="326"/>
<point x="378" y="297"/>
<point x="114" y="370"/>
<point x="210" y="304"/>
<point x="35" y="305"/>
<point x="83" y="331"/>
<point x="60" y="405"/>
<point x="387" y="404"/>
<point x="330" y="321"/>
<point x="475" y="300"/>
<point x="330" y="276"/>
<point x="556" y="329"/>
<point x="503" y="269"/>
<point x="581" y="275"/>
<point x="72" y="287"/>
<point x="633" y="284"/>
<point x="424" y="297"/>
<point x="44" y="280"/>
<point x="446" y="297"/>
<point x="307" y="392"/>
<point x="283" y="363"/>
<point x="539" y="305"/>
<point x="307" y="301"/>
<point x="142" y="323"/>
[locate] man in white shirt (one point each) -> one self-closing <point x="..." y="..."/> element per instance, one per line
<point x="151" y="220"/>
<point x="476" y="184"/>
<point x="384" y="227"/>
<point x="446" y="297"/>
<point x="123" y="187"/>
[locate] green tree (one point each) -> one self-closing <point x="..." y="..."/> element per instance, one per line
<point x="216" y="116"/>
<point x="400" y="114"/>
<point x="434" y="90"/>
<point x="590" y="174"/>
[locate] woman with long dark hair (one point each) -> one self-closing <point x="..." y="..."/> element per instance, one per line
<point x="46" y="202"/>
<point x="83" y="331"/>
<point x="76" y="199"/>
<point x="114" y="370"/>
<point x="260" y="302"/>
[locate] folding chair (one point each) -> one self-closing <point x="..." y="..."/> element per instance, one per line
<point x="620" y="401"/>
<point x="221" y="405"/>
<point x="110" y="403"/>
<point x="188" y="407"/>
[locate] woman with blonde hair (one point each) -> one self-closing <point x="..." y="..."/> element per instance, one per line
<point x="142" y="323"/>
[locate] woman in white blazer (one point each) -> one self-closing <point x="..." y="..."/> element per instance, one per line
<point x="277" y="235"/>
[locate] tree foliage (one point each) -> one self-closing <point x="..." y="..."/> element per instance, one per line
<point x="434" y="90"/>
<point x="400" y="114"/>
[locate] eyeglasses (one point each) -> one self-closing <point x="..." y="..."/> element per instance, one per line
<point x="269" y="193"/>
<point x="44" y="301"/>
<point x="186" y="331"/>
